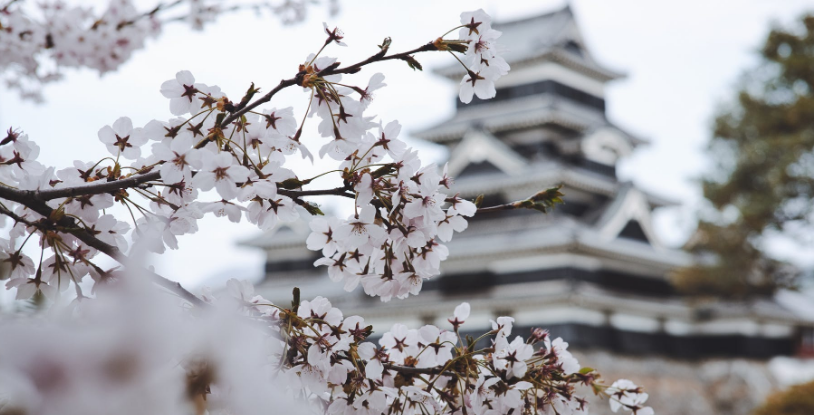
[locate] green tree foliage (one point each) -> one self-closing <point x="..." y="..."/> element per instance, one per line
<point x="764" y="177"/>
<point x="797" y="400"/>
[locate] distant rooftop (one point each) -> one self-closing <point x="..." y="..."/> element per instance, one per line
<point x="549" y="36"/>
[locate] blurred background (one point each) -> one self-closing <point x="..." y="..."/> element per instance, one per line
<point x="678" y="72"/>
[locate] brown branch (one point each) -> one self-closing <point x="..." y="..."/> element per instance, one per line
<point x="69" y="225"/>
<point x="158" y="7"/>
<point x="337" y="191"/>
<point x="419" y="371"/>
<point x="407" y="369"/>
<point x="24" y="196"/>
<point x="16" y="217"/>
<point x="96" y="187"/>
<point x="377" y="58"/>
<point x="297" y="80"/>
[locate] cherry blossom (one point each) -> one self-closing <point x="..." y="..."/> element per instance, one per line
<point x="111" y="230"/>
<point x="122" y="139"/>
<point x="374" y="367"/>
<point x="483" y="64"/>
<point x="360" y="230"/>
<point x="559" y="348"/>
<point x="322" y="236"/>
<point x="513" y="358"/>
<point x="460" y="315"/>
<point x="366" y="95"/>
<point x="224" y="208"/>
<point x="182" y="92"/>
<point x="334" y="35"/>
<point x="20" y="264"/>
<point x="221" y="172"/>
<point x="179" y="158"/>
<point x="625" y="394"/>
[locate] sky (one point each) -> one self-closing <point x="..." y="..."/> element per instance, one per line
<point x="682" y="60"/>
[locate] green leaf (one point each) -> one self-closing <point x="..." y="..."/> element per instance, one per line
<point x="249" y="95"/>
<point x="383" y="170"/>
<point x="313" y="208"/>
<point x="545" y="200"/>
<point x="412" y="63"/>
<point x="291" y="184"/>
<point x="457" y="47"/>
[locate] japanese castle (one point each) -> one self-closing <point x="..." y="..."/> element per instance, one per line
<point x="592" y="271"/>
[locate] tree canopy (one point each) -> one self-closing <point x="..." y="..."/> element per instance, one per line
<point x="763" y="181"/>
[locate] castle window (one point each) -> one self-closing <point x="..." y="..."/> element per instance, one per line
<point x="806" y="345"/>
<point x="633" y="230"/>
<point x="573" y="47"/>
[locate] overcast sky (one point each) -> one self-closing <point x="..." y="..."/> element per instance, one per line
<point x="683" y="60"/>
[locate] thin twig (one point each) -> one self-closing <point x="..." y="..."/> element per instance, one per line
<point x="498" y="208"/>
<point x="377" y="58"/>
<point x="438" y="370"/>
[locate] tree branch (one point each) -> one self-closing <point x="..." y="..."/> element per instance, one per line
<point x="96" y="188"/>
<point x="34" y="200"/>
<point x="542" y="201"/>
<point x="16" y="217"/>
<point x="337" y="191"/>
<point x="285" y="83"/>
<point x="69" y="225"/>
<point x="419" y="371"/>
<point x="498" y="208"/>
<point x="377" y="58"/>
<point x="297" y="80"/>
<point x="23" y="196"/>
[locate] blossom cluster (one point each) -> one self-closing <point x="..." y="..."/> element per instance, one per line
<point x="390" y="244"/>
<point x="393" y="245"/>
<point x="327" y="358"/>
<point x="38" y="41"/>
<point x="247" y="355"/>
<point x="484" y="65"/>
<point x="231" y="159"/>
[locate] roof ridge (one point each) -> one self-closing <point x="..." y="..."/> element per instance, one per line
<point x="563" y="10"/>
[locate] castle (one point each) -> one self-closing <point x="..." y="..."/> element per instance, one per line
<point x="592" y="271"/>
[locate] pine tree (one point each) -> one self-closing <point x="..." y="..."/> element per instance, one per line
<point x="764" y="176"/>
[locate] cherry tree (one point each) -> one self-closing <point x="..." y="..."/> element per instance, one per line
<point x="38" y="41"/>
<point x="113" y="341"/>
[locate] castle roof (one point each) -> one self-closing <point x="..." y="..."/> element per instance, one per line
<point x="548" y="37"/>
